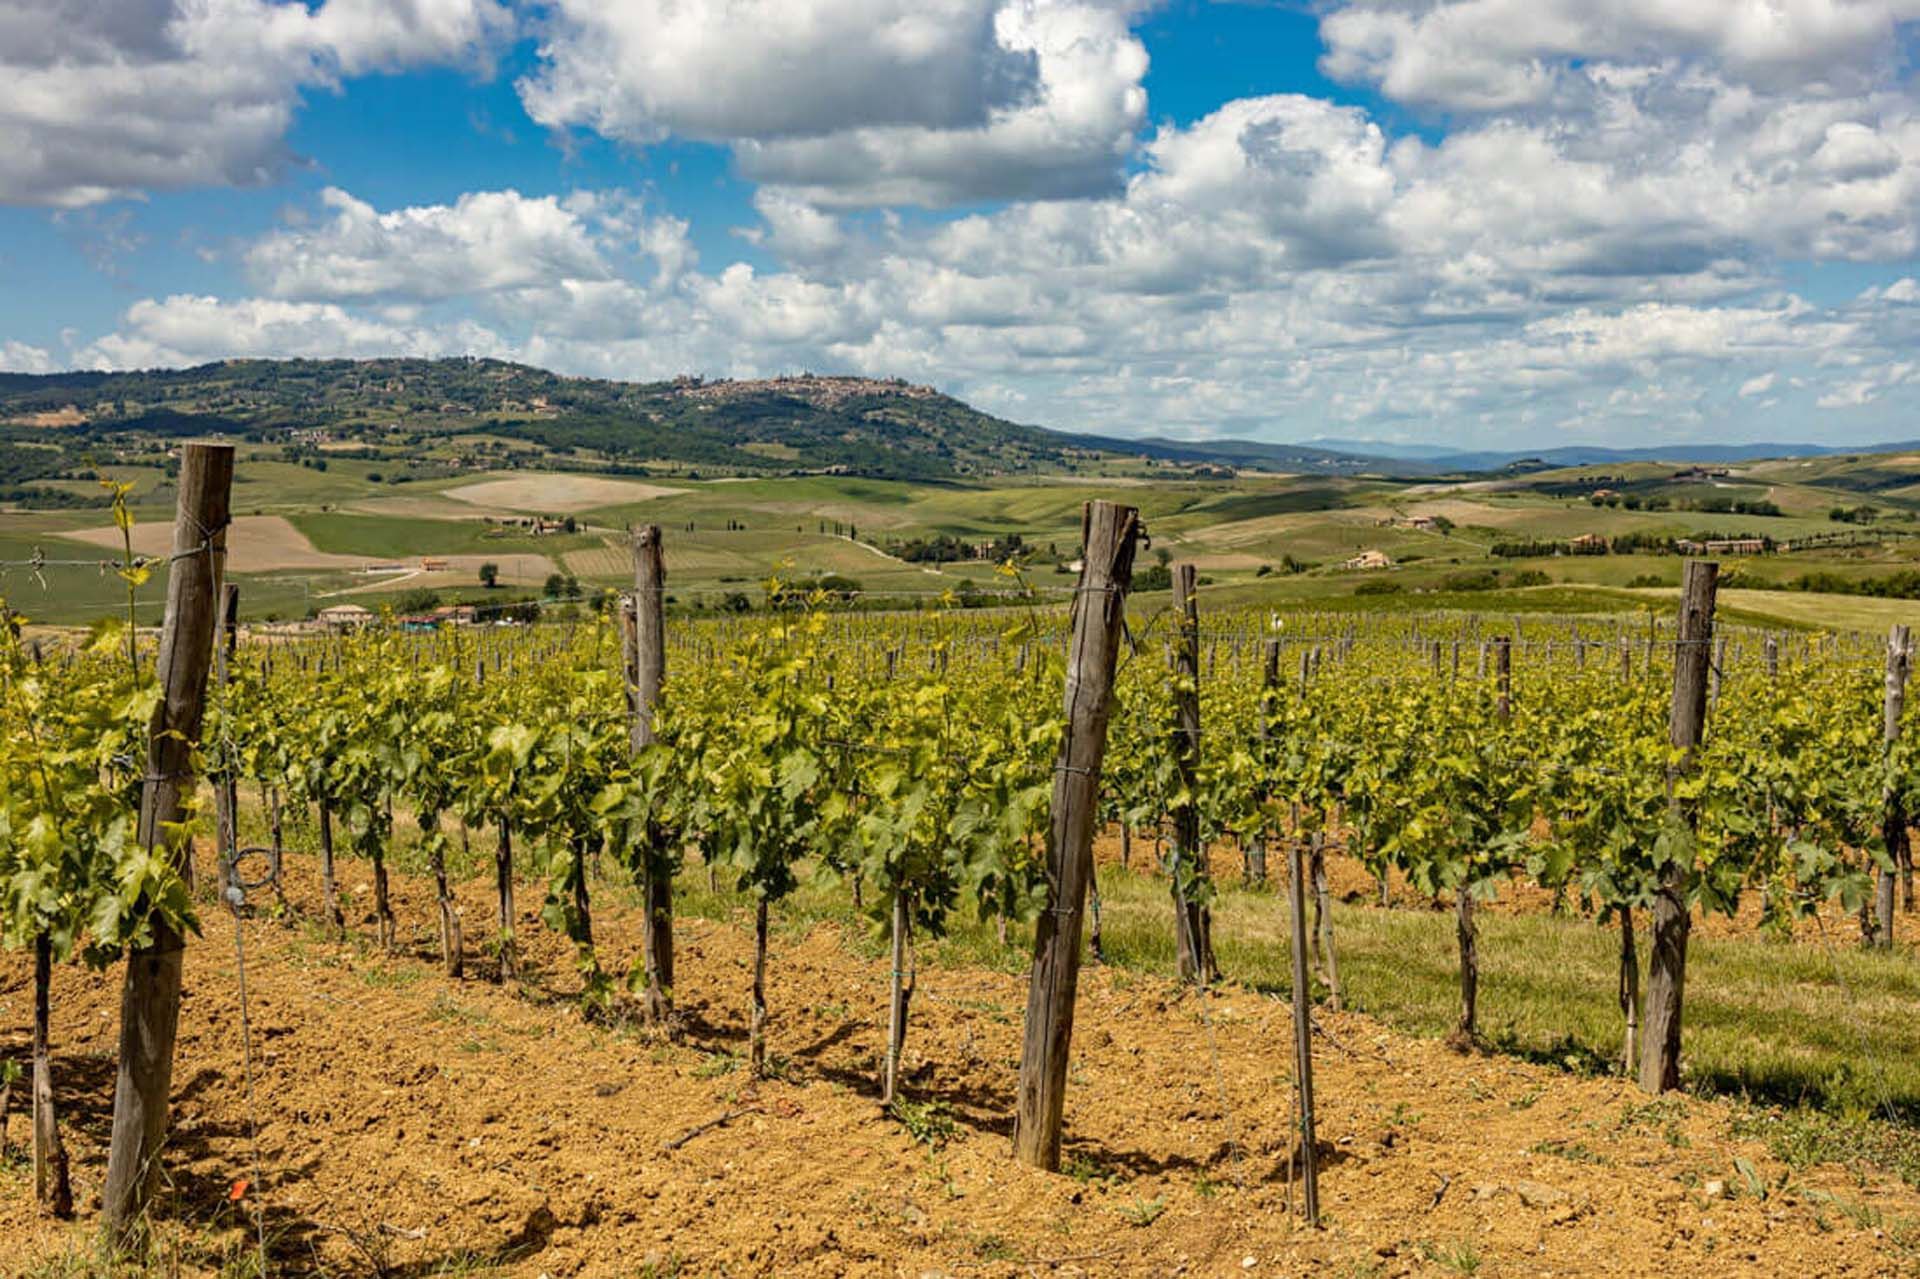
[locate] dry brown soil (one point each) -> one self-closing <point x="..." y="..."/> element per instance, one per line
<point x="411" y="1125"/>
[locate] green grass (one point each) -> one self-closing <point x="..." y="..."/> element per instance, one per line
<point x="398" y="537"/>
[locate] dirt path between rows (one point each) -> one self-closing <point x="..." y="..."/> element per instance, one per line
<point x="411" y="1125"/>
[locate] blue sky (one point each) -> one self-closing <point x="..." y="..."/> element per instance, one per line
<point x="1487" y="223"/>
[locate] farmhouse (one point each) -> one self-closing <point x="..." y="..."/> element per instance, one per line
<point x="344" y="617"/>
<point x="1369" y="559"/>
<point x="1721" y="546"/>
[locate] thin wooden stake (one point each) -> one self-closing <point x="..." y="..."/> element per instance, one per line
<point x="1303" y="1033"/>
<point x="649" y="675"/>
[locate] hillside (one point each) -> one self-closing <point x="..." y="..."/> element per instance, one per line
<point x="863" y="426"/>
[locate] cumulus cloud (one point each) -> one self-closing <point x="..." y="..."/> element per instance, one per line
<point x="860" y="102"/>
<point x="1147" y="313"/>
<point x="485" y="242"/>
<point x="1490" y="55"/>
<point x="107" y="98"/>
<point x="1591" y="243"/>
<point x="18" y="357"/>
<point x="190" y="328"/>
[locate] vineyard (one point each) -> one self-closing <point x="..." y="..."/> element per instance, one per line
<point x="638" y="823"/>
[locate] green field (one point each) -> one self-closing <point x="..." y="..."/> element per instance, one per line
<point x="1279" y="539"/>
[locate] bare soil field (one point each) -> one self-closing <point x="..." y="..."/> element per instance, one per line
<point x="409" y="1124"/>
<point x="271" y="544"/>
<point x="255" y="544"/>
<point x="556" y="493"/>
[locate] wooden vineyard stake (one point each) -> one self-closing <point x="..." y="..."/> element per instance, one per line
<point x="52" y="1185"/>
<point x="1256" y="865"/>
<point x="1686" y="725"/>
<point x="1323" y="919"/>
<point x="150" y="995"/>
<point x="1192" y="933"/>
<point x="649" y="674"/>
<point x="1466" y="932"/>
<point x="1303" y="1033"/>
<point x="1893" y="825"/>
<point x="503" y="893"/>
<point x="1108" y="534"/>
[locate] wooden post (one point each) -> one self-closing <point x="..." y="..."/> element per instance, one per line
<point x="1269" y="690"/>
<point x="1193" y="943"/>
<point x="52" y="1184"/>
<point x="503" y="893"/>
<point x="1323" y="919"/>
<point x="1893" y="825"/>
<point x="1303" y="1032"/>
<point x="1672" y="922"/>
<point x="1108" y="533"/>
<point x="649" y="673"/>
<point x="150" y="995"/>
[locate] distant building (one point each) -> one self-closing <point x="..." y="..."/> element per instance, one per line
<point x="344" y="617"/>
<point x="1722" y="546"/>
<point x="1588" y="543"/>
<point x="1369" y="559"/>
<point x="457" y="614"/>
<point x="432" y="564"/>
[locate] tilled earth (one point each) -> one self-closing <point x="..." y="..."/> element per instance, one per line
<point x="411" y="1125"/>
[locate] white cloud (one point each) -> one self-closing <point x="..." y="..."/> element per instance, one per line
<point x="189" y="329"/>
<point x="860" y="101"/>
<point x="642" y="70"/>
<point x="1591" y="245"/>
<point x="111" y="98"/>
<point x="18" y="357"/>
<point x="485" y="242"/>
<point x="1490" y="55"/>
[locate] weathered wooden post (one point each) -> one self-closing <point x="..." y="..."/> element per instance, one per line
<point x="1303" y="1032"/>
<point x="1893" y="824"/>
<point x="1192" y="920"/>
<point x="1108" y="534"/>
<point x="1672" y="922"/>
<point x="150" y="995"/>
<point x="649" y="673"/>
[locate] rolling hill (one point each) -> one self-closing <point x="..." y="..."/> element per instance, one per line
<point x="862" y="426"/>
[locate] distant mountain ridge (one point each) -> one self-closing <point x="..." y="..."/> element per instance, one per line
<point x="881" y="427"/>
<point x="1439" y="457"/>
<point x="868" y="426"/>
